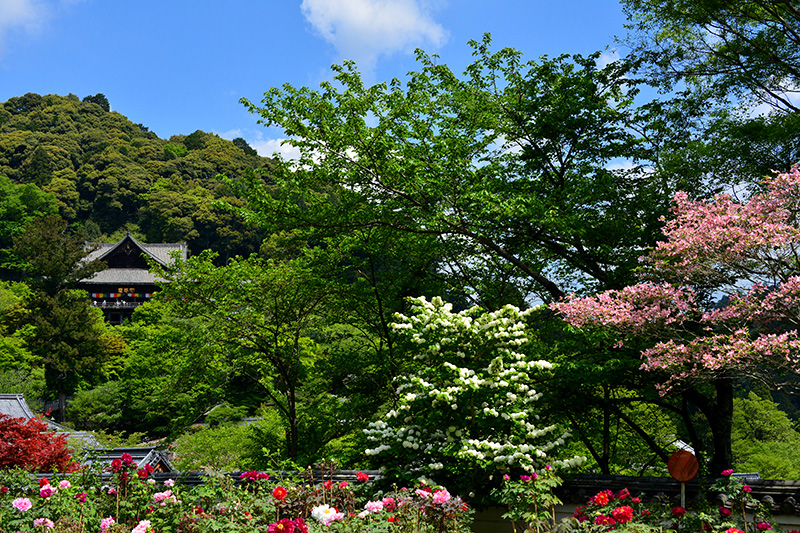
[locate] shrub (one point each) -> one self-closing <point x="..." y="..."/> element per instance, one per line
<point x="29" y="444"/>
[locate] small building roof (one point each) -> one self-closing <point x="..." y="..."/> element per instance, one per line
<point x="131" y="275"/>
<point x="15" y="406"/>
<point x="142" y="455"/>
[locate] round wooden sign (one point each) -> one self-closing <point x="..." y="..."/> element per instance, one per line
<point x="683" y="466"/>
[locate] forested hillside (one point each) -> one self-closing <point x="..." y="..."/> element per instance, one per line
<point x="108" y="175"/>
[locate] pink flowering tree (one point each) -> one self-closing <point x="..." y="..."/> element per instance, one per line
<point x="719" y="299"/>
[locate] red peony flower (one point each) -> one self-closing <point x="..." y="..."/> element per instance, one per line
<point x="678" y="511"/>
<point x="623" y="514"/>
<point x="279" y="493"/>
<point x="603" y="520"/>
<point x="601" y="498"/>
<point x="763" y="526"/>
<point x="361" y="476"/>
<point x="747" y="488"/>
<point x="44" y="481"/>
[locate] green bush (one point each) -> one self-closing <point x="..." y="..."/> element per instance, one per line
<point x="223" y="447"/>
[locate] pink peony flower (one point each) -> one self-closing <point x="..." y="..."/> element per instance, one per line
<point x="763" y="526"/>
<point x="47" y="491"/>
<point x="441" y="496"/>
<point x="746" y="488"/>
<point x="142" y="527"/>
<point x="63" y="484"/>
<point x="374" y="506"/>
<point x="21" y="504"/>
<point x="724" y="512"/>
<point x="105" y="523"/>
<point x="727" y="472"/>
<point x="46" y="522"/>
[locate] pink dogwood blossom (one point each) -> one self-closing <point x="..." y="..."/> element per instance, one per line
<point x="743" y="253"/>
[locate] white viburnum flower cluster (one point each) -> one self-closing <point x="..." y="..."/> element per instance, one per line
<point x="471" y="402"/>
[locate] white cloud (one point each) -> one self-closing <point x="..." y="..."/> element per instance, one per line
<point x="264" y="147"/>
<point x="608" y="57"/>
<point x="268" y="147"/>
<point x="363" y="30"/>
<point x="25" y="15"/>
<point x="30" y="17"/>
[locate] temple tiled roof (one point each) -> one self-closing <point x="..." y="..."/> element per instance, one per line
<point x="15" y="406"/>
<point x="160" y="252"/>
<point x="113" y="276"/>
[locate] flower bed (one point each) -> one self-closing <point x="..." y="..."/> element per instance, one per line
<point x="132" y="501"/>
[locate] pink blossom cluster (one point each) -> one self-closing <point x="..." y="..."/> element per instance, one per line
<point x="106" y="523"/>
<point x="631" y="310"/>
<point x="21" y="504"/>
<point x="706" y="237"/>
<point x="142" y="527"/>
<point x="745" y="251"/>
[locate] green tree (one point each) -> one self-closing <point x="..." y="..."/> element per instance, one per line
<point x="19" y="205"/>
<point x="747" y="48"/>
<point x="262" y="313"/>
<point x="70" y="337"/>
<point x="508" y="167"/>
<point x="244" y="147"/>
<point x="764" y="439"/>
<point x="53" y="256"/>
<point x="506" y="174"/>
<point x="99" y="99"/>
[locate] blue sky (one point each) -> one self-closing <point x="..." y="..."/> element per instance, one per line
<point x="177" y="66"/>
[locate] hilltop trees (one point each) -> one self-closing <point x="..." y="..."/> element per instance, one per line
<point x="111" y="175"/>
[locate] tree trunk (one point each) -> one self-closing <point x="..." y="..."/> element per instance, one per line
<point x="721" y="422"/>
<point x="718" y="411"/>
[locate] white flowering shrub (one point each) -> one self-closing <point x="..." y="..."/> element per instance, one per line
<point x="468" y="407"/>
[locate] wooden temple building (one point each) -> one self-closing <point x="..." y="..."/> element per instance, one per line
<point x="127" y="282"/>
